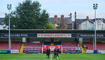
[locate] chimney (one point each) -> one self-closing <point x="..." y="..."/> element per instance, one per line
<point x="70" y="22"/>
<point x="87" y="17"/>
<point x="75" y="17"/>
<point x="62" y="22"/>
<point x="5" y="14"/>
<point x="71" y="16"/>
<point x="75" y="14"/>
<point x="55" y="20"/>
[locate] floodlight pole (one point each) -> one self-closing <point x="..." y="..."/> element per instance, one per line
<point x="95" y="6"/>
<point x="9" y="41"/>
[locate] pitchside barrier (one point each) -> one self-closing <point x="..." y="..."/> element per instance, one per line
<point x="32" y="51"/>
<point x="36" y="51"/>
<point x="9" y="51"/>
<point x="89" y="51"/>
<point x="98" y="51"/>
<point x="102" y="51"/>
<point x="5" y="51"/>
<point x="15" y="51"/>
<point x="73" y="51"/>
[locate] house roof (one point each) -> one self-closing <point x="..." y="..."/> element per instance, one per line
<point x="79" y="21"/>
<point x="66" y="20"/>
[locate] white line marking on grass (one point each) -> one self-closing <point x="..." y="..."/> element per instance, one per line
<point x="51" y="57"/>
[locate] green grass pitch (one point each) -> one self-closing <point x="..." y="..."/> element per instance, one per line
<point x="43" y="57"/>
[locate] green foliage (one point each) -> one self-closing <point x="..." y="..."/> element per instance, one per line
<point x="50" y="26"/>
<point x="28" y="15"/>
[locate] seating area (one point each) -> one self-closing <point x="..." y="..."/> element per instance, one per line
<point x="14" y="45"/>
<point x="32" y="46"/>
<point x="88" y="45"/>
<point x="100" y="46"/>
<point x="67" y="45"/>
<point x="3" y="46"/>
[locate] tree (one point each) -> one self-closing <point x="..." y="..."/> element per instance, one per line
<point x="28" y="15"/>
<point x="50" y="26"/>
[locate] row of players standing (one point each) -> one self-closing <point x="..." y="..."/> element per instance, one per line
<point x="56" y="52"/>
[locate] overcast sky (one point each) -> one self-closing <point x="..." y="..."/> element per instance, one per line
<point x="82" y="7"/>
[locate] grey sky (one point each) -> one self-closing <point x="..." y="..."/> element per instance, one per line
<point x="83" y="7"/>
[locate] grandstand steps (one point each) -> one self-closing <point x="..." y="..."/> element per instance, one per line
<point x="83" y="49"/>
<point x="14" y="45"/>
<point x="21" y="48"/>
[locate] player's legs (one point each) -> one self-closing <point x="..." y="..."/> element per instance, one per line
<point x="54" y="55"/>
<point x="48" y="55"/>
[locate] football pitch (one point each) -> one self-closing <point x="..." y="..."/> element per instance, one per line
<point x="43" y="57"/>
